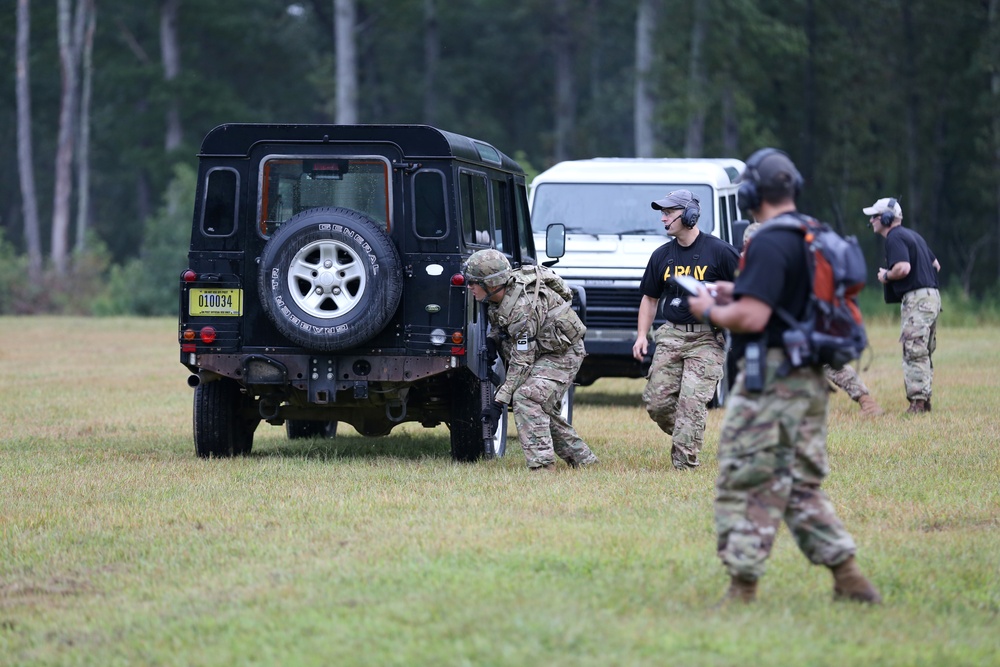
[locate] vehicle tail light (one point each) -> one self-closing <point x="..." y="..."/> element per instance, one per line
<point x="189" y="276"/>
<point x="458" y="280"/>
<point x="458" y="338"/>
<point x="208" y="335"/>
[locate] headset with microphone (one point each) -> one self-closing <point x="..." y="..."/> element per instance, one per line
<point x="750" y="182"/>
<point x="889" y="214"/>
<point x="689" y="218"/>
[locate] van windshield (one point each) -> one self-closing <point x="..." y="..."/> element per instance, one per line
<point x="610" y="208"/>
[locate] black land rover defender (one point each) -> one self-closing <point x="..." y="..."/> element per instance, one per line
<point x="325" y="281"/>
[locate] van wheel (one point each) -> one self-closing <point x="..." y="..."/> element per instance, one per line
<point x="330" y="279"/>
<point x="310" y="428"/>
<point x="223" y="421"/>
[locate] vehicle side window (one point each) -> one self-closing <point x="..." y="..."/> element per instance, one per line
<point x="501" y="218"/>
<point x="475" y="209"/>
<point x="523" y="223"/>
<point x="222" y="186"/>
<point x="733" y="211"/>
<point x="724" y="220"/>
<point x="429" y="212"/>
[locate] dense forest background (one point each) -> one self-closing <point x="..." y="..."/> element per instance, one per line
<point x="106" y="102"/>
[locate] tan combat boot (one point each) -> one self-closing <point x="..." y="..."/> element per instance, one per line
<point x="850" y="584"/>
<point x="740" y="591"/>
<point x="869" y="408"/>
<point x="917" y="406"/>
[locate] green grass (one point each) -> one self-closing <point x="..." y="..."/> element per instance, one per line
<point x="119" y="547"/>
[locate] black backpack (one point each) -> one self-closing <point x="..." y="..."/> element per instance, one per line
<point x="833" y="331"/>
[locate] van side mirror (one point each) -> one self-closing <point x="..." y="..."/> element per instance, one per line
<point x="555" y="240"/>
<point x="739" y="229"/>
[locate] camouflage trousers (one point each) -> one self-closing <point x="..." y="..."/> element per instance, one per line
<point x="918" y="334"/>
<point x="685" y="370"/>
<point x="847" y="379"/>
<point x="537" y="403"/>
<point x="772" y="461"/>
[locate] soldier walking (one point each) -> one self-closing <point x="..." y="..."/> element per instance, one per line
<point x="910" y="279"/>
<point x="690" y="356"/>
<point x="772" y="449"/>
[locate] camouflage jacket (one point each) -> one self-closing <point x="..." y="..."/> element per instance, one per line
<point x="532" y="320"/>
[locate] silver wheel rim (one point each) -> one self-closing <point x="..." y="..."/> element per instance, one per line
<point x="327" y="279"/>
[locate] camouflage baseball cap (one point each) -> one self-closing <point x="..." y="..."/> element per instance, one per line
<point x="675" y="199"/>
<point x="489" y="267"/>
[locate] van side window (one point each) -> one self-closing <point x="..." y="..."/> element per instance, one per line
<point x="220" y="209"/>
<point x="724" y="220"/>
<point x="475" y="209"/>
<point x="430" y="218"/>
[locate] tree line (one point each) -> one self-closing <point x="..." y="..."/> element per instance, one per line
<point x="108" y="101"/>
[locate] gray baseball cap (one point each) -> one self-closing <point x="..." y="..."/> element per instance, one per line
<point x="675" y="199"/>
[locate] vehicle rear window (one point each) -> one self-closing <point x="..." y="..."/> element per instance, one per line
<point x="290" y="185"/>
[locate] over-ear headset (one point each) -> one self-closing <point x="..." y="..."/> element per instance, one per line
<point x="689" y="218"/>
<point x="889" y="215"/>
<point x="750" y="182"/>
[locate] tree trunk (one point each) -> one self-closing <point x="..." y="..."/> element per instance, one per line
<point x="807" y="159"/>
<point x="993" y="29"/>
<point x="71" y="23"/>
<point x="913" y="141"/>
<point x="171" y="54"/>
<point x="25" y="152"/>
<point x="565" y="89"/>
<point x="432" y="53"/>
<point x="345" y="20"/>
<point x="694" y="142"/>
<point x="83" y="154"/>
<point x="645" y="105"/>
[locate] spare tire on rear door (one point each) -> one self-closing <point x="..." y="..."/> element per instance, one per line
<point x="330" y="279"/>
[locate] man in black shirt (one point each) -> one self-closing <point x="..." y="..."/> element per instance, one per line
<point x="690" y="356"/>
<point x="911" y="280"/>
<point x="772" y="450"/>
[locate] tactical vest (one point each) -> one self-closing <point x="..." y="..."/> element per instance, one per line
<point x="552" y="301"/>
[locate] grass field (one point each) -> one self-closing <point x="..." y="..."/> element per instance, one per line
<point x="119" y="547"/>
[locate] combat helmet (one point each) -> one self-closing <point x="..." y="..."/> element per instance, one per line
<point x="488" y="267"/>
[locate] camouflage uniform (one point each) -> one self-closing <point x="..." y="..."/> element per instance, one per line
<point x="918" y="334"/>
<point x="847" y="379"/>
<point x="772" y="461"/>
<point x="541" y="339"/>
<point x="685" y="370"/>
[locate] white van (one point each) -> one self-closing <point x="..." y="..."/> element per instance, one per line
<point x="611" y="231"/>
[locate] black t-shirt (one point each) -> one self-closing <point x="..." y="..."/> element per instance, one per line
<point x="776" y="272"/>
<point x="708" y="259"/>
<point x="905" y="245"/>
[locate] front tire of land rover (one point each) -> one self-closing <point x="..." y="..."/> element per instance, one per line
<point x="330" y="279"/>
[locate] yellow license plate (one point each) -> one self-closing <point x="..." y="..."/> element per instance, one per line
<point x="228" y="302"/>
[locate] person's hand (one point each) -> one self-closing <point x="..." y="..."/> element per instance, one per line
<point x="639" y="348"/>
<point x="491" y="414"/>
<point x="491" y="351"/>
<point x="723" y="292"/>
<point x="883" y="276"/>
